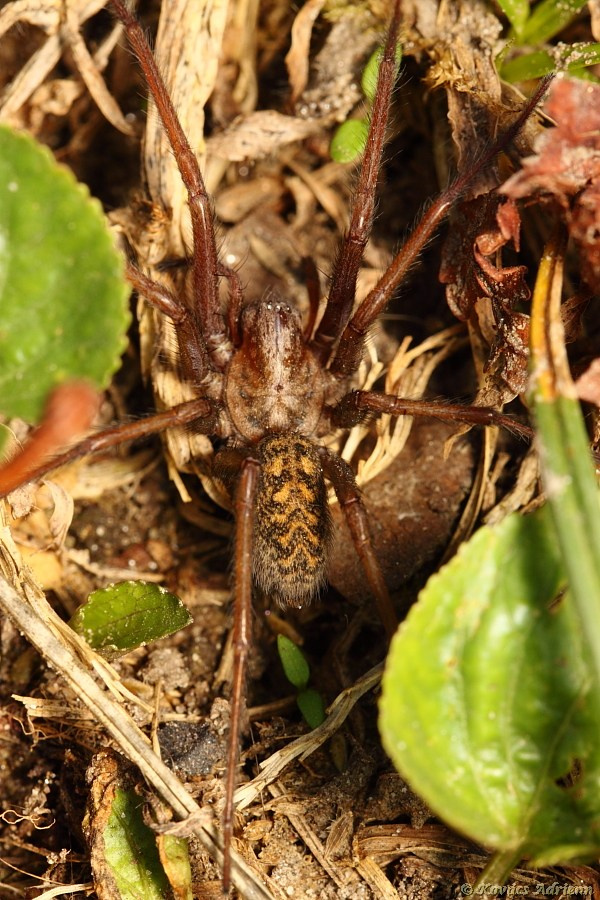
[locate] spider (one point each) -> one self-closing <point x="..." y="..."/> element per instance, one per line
<point x="270" y="387"/>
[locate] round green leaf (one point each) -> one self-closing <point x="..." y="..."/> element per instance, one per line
<point x="349" y="140"/>
<point x="63" y="298"/>
<point x="293" y="661"/>
<point x="488" y="708"/>
<point x="127" y="615"/>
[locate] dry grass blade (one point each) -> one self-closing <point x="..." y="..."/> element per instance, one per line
<point x="33" y="73"/>
<point x="34" y="620"/>
<point x="302" y="747"/>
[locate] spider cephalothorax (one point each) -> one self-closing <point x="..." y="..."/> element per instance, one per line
<point x="274" y="381"/>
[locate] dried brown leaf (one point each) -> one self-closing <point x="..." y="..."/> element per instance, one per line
<point x="566" y="166"/>
<point x="297" y="59"/>
<point x="480" y="229"/>
<point x="259" y="134"/>
<point x="506" y="288"/>
<point x="588" y="384"/>
<point x="472" y="220"/>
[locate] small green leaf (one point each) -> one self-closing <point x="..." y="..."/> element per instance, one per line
<point x="293" y="661"/>
<point x="368" y="81"/>
<point x="349" y="141"/>
<point x="527" y="66"/>
<point x="489" y="708"/>
<point x="547" y="19"/>
<point x="517" y="13"/>
<point x="310" y="703"/>
<point x="63" y="297"/>
<point x="572" y="58"/>
<point x="127" y="615"/>
<point x="130" y="851"/>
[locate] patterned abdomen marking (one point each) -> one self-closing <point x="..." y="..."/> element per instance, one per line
<point x="292" y="525"/>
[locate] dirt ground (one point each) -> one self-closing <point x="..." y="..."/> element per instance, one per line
<point x="340" y="823"/>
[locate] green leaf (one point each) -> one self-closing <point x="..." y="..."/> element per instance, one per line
<point x="175" y="858"/>
<point x="568" y="473"/>
<point x="130" y="851"/>
<point x="310" y="703"/>
<point x="517" y="13"/>
<point x="368" y="81"/>
<point x="527" y="66"/>
<point x="572" y="58"/>
<point x="349" y="141"/>
<point x="63" y="298"/>
<point x="293" y="661"/>
<point x="127" y="615"/>
<point x="547" y="19"/>
<point x="488" y="706"/>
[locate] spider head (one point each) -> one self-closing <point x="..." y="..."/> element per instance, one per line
<point x="274" y="381"/>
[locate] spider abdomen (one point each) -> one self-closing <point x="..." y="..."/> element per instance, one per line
<point x="292" y="523"/>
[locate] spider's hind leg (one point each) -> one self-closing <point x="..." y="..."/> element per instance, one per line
<point x="344" y="484"/>
<point x="242" y="639"/>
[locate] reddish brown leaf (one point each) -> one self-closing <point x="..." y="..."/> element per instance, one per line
<point x="567" y="167"/>
<point x="483" y="227"/>
<point x="588" y="384"/>
<point x="585" y="231"/>
<point x="472" y="222"/>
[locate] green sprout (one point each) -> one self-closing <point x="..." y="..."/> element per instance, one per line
<point x="350" y="138"/>
<point x="538" y="25"/>
<point x="297" y="671"/>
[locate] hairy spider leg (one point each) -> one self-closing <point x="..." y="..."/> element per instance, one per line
<point x="242" y="641"/>
<point x="348" y="353"/>
<point x="346" y="490"/>
<point x="45" y="459"/>
<point x="350" y="252"/>
<point x="352" y="409"/>
<point x="205" y="324"/>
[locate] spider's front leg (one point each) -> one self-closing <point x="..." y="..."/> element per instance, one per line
<point x="38" y="457"/>
<point x="350" y="253"/>
<point x="206" y="324"/>
<point x="349" y="350"/>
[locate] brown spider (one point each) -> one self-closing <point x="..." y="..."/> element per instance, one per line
<point x="271" y="388"/>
